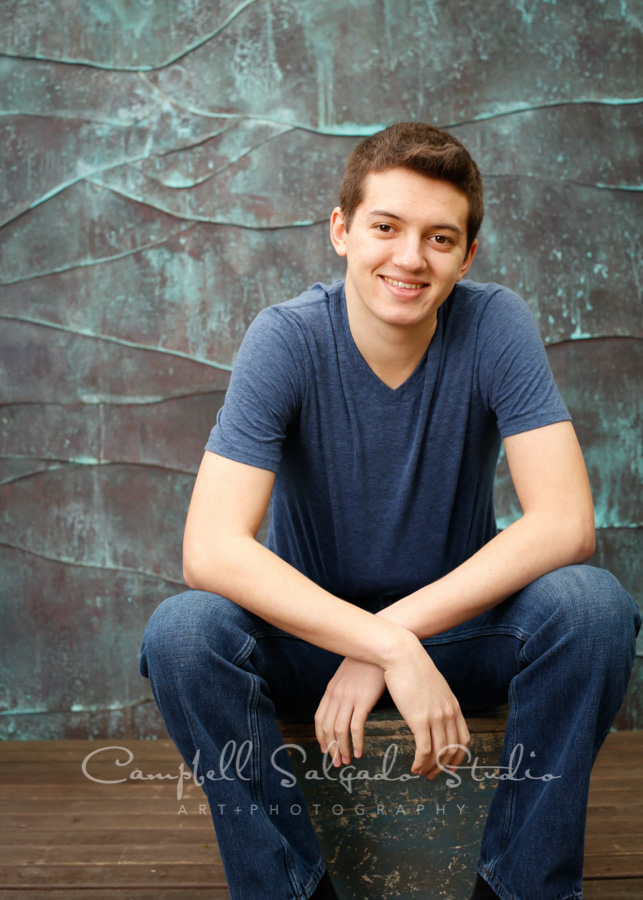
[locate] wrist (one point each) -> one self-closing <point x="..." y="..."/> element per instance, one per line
<point x="399" y="644"/>
<point x="391" y="614"/>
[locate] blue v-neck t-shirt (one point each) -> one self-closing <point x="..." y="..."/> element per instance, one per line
<point x="380" y="491"/>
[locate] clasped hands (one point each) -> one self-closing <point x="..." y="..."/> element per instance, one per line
<point x="420" y="693"/>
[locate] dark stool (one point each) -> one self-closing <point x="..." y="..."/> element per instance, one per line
<point x="385" y="833"/>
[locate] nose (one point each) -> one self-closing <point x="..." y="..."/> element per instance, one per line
<point x="408" y="254"/>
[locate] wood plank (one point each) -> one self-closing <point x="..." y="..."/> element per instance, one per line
<point x="101" y="806"/>
<point x="85" y="876"/>
<point x="79" y="837"/>
<point x="205" y="852"/>
<point x="599" y="798"/>
<point x="98" y="806"/>
<point x="136" y="892"/>
<point x="603" y="889"/>
<point x="615" y="845"/>
<point x="620" y="771"/>
<point x="129" y="790"/>
<point x="614" y="866"/>
<point x="30" y="751"/>
<point x="197" y="853"/>
<point x="615" y="821"/>
<point x="613" y="889"/>
<point x="606" y="791"/>
<point x="65" y="821"/>
<point x="65" y="830"/>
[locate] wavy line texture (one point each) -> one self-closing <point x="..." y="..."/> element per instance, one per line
<point x="167" y="171"/>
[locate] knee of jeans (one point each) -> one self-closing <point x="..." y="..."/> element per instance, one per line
<point x="593" y="602"/>
<point x="184" y="627"/>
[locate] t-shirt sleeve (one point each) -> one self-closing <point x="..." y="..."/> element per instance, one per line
<point x="263" y="397"/>
<point x="515" y="376"/>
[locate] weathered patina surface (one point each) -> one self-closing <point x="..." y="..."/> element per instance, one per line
<point x="387" y="833"/>
<point x="167" y="171"/>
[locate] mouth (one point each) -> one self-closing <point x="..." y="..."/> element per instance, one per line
<point x="410" y="286"/>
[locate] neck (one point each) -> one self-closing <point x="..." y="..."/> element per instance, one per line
<point x="391" y="351"/>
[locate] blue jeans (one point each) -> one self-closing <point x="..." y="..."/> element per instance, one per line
<point x="560" y="651"/>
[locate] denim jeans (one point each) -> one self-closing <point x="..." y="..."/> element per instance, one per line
<point x="560" y="651"/>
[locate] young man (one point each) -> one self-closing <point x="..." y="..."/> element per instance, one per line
<point x="372" y="412"/>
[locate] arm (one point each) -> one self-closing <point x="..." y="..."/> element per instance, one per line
<point x="556" y="529"/>
<point x="221" y="555"/>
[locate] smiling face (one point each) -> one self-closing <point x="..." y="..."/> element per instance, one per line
<point x="405" y="250"/>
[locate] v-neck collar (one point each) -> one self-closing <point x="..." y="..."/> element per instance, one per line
<point x="426" y="368"/>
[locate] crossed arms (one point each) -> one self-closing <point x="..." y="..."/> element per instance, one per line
<point x="221" y="555"/>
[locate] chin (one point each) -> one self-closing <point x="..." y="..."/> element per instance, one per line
<point x="403" y="320"/>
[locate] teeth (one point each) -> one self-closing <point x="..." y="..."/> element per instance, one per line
<point x="403" y="284"/>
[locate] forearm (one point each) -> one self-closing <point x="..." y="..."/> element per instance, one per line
<point x="252" y="576"/>
<point x="529" y="548"/>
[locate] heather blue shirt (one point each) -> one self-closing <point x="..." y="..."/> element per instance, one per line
<point x="379" y="492"/>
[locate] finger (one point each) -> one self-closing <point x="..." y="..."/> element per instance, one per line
<point x="358" y="723"/>
<point x="319" y="719"/>
<point x="464" y="739"/>
<point x="342" y="732"/>
<point x="324" y="726"/>
<point x="423" y="747"/>
<point x="329" y="731"/>
<point x="439" y="741"/>
<point x="449" y="749"/>
<point x="459" y="738"/>
<point x="333" y="752"/>
<point x="332" y="745"/>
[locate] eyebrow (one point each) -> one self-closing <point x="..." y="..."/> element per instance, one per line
<point x="390" y="215"/>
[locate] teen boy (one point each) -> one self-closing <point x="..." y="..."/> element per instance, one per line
<point x="372" y="411"/>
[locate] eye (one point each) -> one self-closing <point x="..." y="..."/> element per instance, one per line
<point x="383" y="228"/>
<point x="442" y="239"/>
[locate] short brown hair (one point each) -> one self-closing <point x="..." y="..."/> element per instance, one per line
<point x="421" y="148"/>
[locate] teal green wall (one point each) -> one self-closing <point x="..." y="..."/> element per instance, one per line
<point x="168" y="170"/>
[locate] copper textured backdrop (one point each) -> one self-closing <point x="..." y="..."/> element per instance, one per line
<point x="168" y="170"/>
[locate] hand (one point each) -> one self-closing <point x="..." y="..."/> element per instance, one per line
<point x="350" y="695"/>
<point x="430" y="709"/>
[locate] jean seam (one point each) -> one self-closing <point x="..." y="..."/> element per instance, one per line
<point x="493" y="882"/>
<point x="513" y="631"/>
<point x="524" y="656"/>
<point x="303" y="895"/>
<point x="244" y="652"/>
<point x="510" y="800"/>
<point x="298" y="889"/>
<point x="511" y="791"/>
<point x="272" y="632"/>
<point x="504" y="894"/>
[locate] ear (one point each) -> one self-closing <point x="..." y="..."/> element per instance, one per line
<point x="466" y="262"/>
<point x="338" y="231"/>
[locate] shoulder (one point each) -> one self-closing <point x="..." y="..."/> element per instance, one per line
<point x="304" y="325"/>
<point x="311" y="306"/>
<point x="490" y="312"/>
<point x="477" y="300"/>
<point x="308" y="310"/>
<point x="283" y="334"/>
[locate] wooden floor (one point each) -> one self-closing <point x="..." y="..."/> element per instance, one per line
<point x="66" y="837"/>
